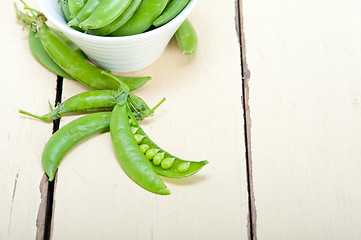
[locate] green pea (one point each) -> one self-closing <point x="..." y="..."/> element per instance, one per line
<point x="167" y="163"/>
<point x="151" y="152"/>
<point x="183" y="166"/>
<point x="134" y="130"/>
<point x="143" y="148"/>
<point x="157" y="159"/>
<point x="138" y="138"/>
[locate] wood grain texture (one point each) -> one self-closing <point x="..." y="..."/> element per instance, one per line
<point x="305" y="91"/>
<point x="201" y="119"/>
<point x="27" y="85"/>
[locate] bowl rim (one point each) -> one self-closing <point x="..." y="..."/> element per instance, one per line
<point x="109" y="39"/>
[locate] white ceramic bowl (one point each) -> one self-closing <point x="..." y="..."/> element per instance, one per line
<point x="118" y="54"/>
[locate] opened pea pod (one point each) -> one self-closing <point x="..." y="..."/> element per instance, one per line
<point x="164" y="163"/>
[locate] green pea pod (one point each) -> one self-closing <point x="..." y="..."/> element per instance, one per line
<point x="91" y="101"/>
<point x="105" y="13"/>
<point x="186" y="37"/>
<point x="143" y="18"/>
<point x="69" y="43"/>
<point x="43" y="57"/>
<point x="131" y="159"/>
<point x="85" y="12"/>
<point x="80" y="69"/>
<point x="118" y="22"/>
<point x="68" y="136"/>
<point x="171" y="11"/>
<point x="65" y="8"/>
<point x="177" y="169"/>
<point x="75" y="6"/>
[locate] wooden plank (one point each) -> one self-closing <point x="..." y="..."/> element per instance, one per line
<point x="27" y="85"/>
<point x="201" y="119"/>
<point x="304" y="97"/>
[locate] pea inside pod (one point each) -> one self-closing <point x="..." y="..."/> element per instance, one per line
<point x="174" y="167"/>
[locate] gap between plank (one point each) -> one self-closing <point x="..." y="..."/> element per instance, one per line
<point x="247" y="122"/>
<point x="45" y="214"/>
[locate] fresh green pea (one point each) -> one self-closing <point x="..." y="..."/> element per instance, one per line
<point x="167" y="163"/>
<point x="85" y="12"/>
<point x="186" y="37"/>
<point x="105" y="13"/>
<point x="79" y="68"/>
<point x="143" y="148"/>
<point x="68" y="136"/>
<point x="151" y="152"/>
<point x="131" y="159"/>
<point x="118" y="22"/>
<point x="138" y="138"/>
<point x="183" y="167"/>
<point x="170" y="12"/>
<point x="142" y="19"/>
<point x="158" y="157"/>
<point x="134" y="130"/>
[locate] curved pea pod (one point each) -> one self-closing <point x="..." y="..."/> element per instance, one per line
<point x="44" y="58"/>
<point x="79" y="68"/>
<point x="118" y="22"/>
<point x="170" y="12"/>
<point x="186" y="37"/>
<point x="179" y="168"/>
<point x="132" y="160"/>
<point x="143" y="18"/>
<point x="105" y="13"/>
<point x="68" y="136"/>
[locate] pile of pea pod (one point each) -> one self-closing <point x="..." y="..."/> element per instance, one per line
<point x="109" y="107"/>
<point x="128" y="17"/>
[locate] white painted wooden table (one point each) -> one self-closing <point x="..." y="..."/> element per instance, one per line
<point x="271" y="99"/>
